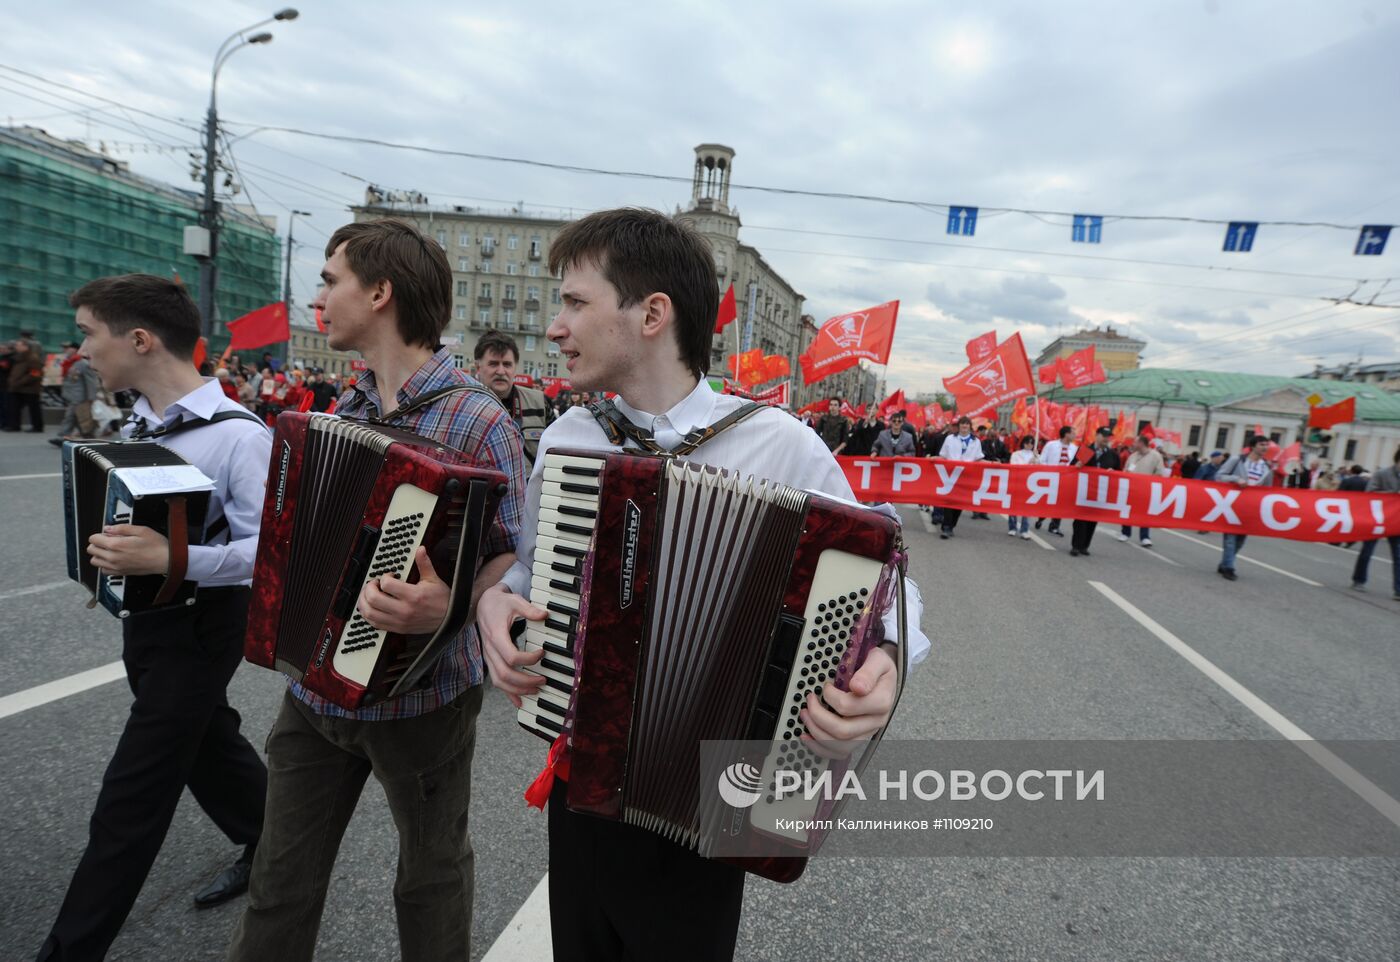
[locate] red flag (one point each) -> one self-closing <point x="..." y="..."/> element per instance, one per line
<point x="1123" y="432"/>
<point x="1173" y="437"/>
<point x="850" y="412"/>
<point x="1003" y="376"/>
<point x="816" y="407"/>
<point x="728" y="310"/>
<point x="776" y="366"/>
<point x="848" y="339"/>
<point x="1021" y="418"/>
<point x="748" y="367"/>
<point x="267" y="325"/>
<point x="1339" y="413"/>
<point x="915" y="416"/>
<point x="320" y="325"/>
<point x="1049" y="373"/>
<point x="201" y="352"/>
<point x="524" y="380"/>
<point x="935" y="415"/>
<point x="895" y="402"/>
<point x="1080" y="369"/>
<point x="981" y="347"/>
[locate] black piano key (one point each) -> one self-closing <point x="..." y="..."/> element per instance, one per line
<point x="566" y="651"/>
<point x="573" y="586"/>
<point x="558" y="685"/>
<point x="576" y="512"/>
<point x="545" y="704"/>
<point x="572" y="488"/>
<point x="550" y="724"/>
<point x="562" y="609"/>
<point x="553" y="665"/>
<point x="563" y="627"/>
<point x="582" y="472"/>
<point x="574" y="569"/>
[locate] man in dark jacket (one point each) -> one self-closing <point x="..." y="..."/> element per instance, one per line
<point x="1101" y="456"/>
<point x="26" y="384"/>
<point x="834" y="429"/>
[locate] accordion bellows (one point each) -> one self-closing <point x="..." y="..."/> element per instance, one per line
<point x="686" y="605"/>
<point x="346" y="502"/>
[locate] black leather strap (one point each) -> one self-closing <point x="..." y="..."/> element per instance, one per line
<point x="620" y="429"/>
<point x="423" y="400"/>
<point x="141" y="434"/>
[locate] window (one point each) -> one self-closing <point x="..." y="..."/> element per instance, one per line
<point x="551" y="349"/>
<point x="529" y="342"/>
<point x="464" y="239"/>
<point x="534" y="247"/>
<point x="508" y="320"/>
<point x="534" y="270"/>
<point x="459" y="361"/>
<point x="1276" y="435"/>
<point x="512" y="243"/>
<point x="532" y="293"/>
<point x="442" y="238"/>
<point x="1350" y="454"/>
<point x="484" y="316"/>
<point x="464" y="288"/>
<point x="463" y="264"/>
<point x="554" y="296"/>
<point x="553" y="370"/>
<point x="1222" y="438"/>
<point x="461" y="312"/>
<point x="510" y="292"/>
<point x="532" y="318"/>
<point x="485" y="288"/>
<point x="488" y="243"/>
<point x="510" y="267"/>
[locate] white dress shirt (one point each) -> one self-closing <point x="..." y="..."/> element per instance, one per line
<point x="958" y="447"/>
<point x="1023" y="456"/>
<point x="770" y="444"/>
<point x="1054" y="452"/>
<point x="234" y="454"/>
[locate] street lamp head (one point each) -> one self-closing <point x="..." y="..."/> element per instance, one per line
<point x="287" y="13"/>
<point x="260" y="38"/>
<point x="301" y="213"/>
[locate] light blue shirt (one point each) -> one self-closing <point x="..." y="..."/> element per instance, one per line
<point x="234" y="454"/>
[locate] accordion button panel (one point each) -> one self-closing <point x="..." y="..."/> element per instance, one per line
<point x="568" y="514"/>
<point x="842" y="587"/>
<point x="357" y="649"/>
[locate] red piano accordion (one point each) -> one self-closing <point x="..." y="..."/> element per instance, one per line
<point x="348" y="501"/>
<point x="688" y="605"/>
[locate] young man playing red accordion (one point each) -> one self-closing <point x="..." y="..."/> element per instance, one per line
<point x="639" y="299"/>
<point x="388" y="294"/>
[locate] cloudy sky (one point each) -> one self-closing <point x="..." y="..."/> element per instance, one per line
<point x="1212" y="109"/>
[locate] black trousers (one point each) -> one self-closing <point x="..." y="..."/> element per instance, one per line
<point x="617" y="892"/>
<point x="950" y="517"/>
<point x="17" y="404"/>
<point x="181" y="732"/>
<point x="1083" y="533"/>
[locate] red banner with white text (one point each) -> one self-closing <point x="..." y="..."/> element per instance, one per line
<point x="1139" y="500"/>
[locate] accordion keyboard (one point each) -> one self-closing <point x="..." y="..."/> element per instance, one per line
<point x="568" y="514"/>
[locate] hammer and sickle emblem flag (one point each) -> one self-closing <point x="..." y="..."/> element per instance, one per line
<point x="1002" y="376"/>
<point x="846" y="340"/>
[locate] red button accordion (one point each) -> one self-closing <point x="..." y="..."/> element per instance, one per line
<point x="346" y="502"/>
<point x="686" y="604"/>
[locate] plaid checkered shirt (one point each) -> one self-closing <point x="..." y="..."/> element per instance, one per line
<point x="483" y="430"/>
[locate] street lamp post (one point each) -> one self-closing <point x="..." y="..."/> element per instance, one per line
<point x="209" y="213"/>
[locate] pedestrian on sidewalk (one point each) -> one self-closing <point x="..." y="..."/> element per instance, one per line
<point x="1248" y="471"/>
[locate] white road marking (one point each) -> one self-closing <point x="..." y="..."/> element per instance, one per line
<point x="1034" y="537"/>
<point x="1375" y="555"/>
<point x="22" y="477"/>
<point x="54" y="690"/>
<point x="33" y="590"/>
<point x="1243" y="557"/>
<point x="1344" y="773"/>
<point x="1160" y="557"/>
<point x="526" y="936"/>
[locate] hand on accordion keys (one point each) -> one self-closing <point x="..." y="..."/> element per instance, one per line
<point x="495" y="613"/>
<point x="129" y="549"/>
<point x="858" y="713"/>
<point x="391" y="604"/>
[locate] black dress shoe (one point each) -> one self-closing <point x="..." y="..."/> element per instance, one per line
<point x="1074" y="552"/>
<point x="228" y="884"/>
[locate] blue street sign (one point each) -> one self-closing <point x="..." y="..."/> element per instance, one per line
<point x="1088" y="229"/>
<point x="1372" y="240"/>
<point x="962" y="220"/>
<point x="1239" y="236"/>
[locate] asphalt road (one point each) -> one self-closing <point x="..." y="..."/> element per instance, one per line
<point x="1025" y="647"/>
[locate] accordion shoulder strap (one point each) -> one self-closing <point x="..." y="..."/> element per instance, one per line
<point x="165" y="431"/>
<point x="620" y="429"/>
<point x="423" y="400"/>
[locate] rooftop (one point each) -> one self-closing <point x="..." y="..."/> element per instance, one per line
<point x="1222" y="388"/>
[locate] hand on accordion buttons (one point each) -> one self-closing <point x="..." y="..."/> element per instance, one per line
<point x="392" y="604"/>
<point x="129" y="549"/>
<point x="495" y="613"/>
<point x="858" y="713"/>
